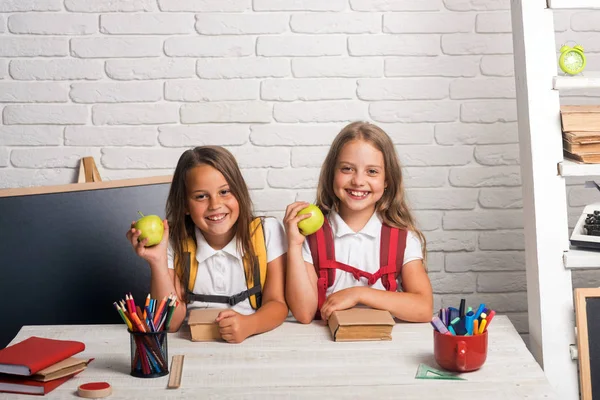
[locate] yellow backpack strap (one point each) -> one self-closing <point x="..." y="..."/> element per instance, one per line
<point x="189" y="249"/>
<point x="260" y="250"/>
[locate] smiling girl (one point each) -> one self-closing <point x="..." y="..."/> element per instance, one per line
<point x="214" y="252"/>
<point x="374" y="251"/>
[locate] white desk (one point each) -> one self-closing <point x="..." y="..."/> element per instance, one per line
<point x="301" y="361"/>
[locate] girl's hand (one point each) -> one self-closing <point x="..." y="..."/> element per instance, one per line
<point x="290" y="221"/>
<point x="153" y="255"/>
<point x="342" y="300"/>
<point x="233" y="327"/>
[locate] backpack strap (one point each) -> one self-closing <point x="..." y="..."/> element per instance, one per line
<point x="322" y="250"/>
<point x="391" y="255"/>
<point x="258" y="275"/>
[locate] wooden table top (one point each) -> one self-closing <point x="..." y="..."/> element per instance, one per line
<point x="301" y="361"/>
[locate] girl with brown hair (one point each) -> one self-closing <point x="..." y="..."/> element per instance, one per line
<point x="361" y="193"/>
<point x="211" y="253"/>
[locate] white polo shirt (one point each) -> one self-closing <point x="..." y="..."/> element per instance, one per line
<point x="221" y="272"/>
<point x="361" y="250"/>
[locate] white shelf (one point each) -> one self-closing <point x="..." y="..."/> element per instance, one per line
<point x="586" y="80"/>
<point x="571" y="168"/>
<point x="579" y="258"/>
<point x="573" y="4"/>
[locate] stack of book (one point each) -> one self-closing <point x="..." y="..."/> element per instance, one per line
<point x="581" y="133"/>
<point x="39" y="365"/>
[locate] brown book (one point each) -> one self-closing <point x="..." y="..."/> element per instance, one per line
<point x="583" y="158"/>
<point x="580" y="118"/>
<point x="581" y="149"/>
<point x="203" y="326"/>
<point x="61" y="369"/>
<point x="358" y="324"/>
<point x="582" y="137"/>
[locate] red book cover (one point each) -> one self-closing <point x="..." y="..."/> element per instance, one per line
<point x="20" y="384"/>
<point x="36" y="353"/>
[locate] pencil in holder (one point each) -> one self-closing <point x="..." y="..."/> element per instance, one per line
<point x="149" y="354"/>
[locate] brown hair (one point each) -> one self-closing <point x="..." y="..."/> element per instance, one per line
<point x="392" y="207"/>
<point x="181" y="225"/>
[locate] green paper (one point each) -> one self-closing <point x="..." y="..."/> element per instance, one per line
<point x="427" y="372"/>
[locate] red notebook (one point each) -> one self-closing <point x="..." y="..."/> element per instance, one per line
<point x="36" y="353"/>
<point x="20" y="384"/>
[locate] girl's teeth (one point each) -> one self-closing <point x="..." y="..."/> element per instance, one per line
<point x="216" y="217"/>
<point x="358" y="194"/>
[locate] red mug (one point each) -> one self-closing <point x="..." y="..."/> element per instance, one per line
<point x="460" y="353"/>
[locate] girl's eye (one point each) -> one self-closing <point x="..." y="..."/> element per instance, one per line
<point x="346" y="169"/>
<point x="200" y="197"/>
<point x="373" y="172"/>
<point x="225" y="192"/>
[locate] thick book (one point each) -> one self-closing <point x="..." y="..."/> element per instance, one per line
<point x="36" y="353"/>
<point x="580" y="118"/>
<point x="582" y="137"/>
<point x="578" y="148"/>
<point x="61" y="369"/>
<point x="583" y="158"/>
<point x="26" y="385"/>
<point x="357" y="324"/>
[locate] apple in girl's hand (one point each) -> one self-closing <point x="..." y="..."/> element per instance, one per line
<point x="313" y="223"/>
<point x="151" y="227"/>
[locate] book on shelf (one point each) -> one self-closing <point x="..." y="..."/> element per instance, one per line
<point x="581" y="149"/>
<point x="582" y="137"/>
<point x="357" y="324"/>
<point x="35" y="353"/>
<point x="583" y="158"/>
<point x="580" y="118"/>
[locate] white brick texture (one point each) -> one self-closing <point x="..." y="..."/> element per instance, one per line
<point x="136" y="82"/>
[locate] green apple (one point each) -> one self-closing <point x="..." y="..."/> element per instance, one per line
<point x="313" y="223"/>
<point x="152" y="228"/>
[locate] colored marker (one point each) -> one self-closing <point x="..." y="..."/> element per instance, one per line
<point x="451" y="330"/>
<point x="489" y="318"/>
<point x="475" y="327"/>
<point x="454" y="313"/>
<point x="482" y="326"/>
<point x="439" y="326"/>
<point x="469" y="322"/>
<point x="479" y="310"/>
<point x="462" y="308"/>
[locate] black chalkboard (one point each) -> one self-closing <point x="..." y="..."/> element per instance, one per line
<point x="587" y="307"/>
<point x="64" y="255"/>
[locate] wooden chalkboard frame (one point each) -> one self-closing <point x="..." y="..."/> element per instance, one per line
<point x="583" y="348"/>
<point x="74" y="187"/>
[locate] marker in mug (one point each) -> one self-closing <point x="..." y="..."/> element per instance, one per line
<point x="439" y="326"/>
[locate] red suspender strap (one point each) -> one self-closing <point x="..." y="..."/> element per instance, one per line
<point x="402" y="236"/>
<point x="393" y="244"/>
<point x="391" y="275"/>
<point x="323" y="254"/>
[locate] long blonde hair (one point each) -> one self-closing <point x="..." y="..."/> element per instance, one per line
<point x="392" y="207"/>
<point x="181" y="225"/>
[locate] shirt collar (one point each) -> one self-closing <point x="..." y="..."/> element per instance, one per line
<point x="340" y="228"/>
<point x="204" y="251"/>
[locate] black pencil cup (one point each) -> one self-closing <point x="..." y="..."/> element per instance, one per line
<point x="149" y="354"/>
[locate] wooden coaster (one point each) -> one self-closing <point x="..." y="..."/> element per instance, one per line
<point x="94" y="390"/>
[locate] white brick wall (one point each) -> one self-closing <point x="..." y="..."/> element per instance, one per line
<point x="135" y="82"/>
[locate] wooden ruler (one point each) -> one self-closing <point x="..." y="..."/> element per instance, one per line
<point x="175" y="374"/>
